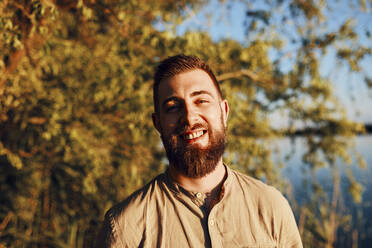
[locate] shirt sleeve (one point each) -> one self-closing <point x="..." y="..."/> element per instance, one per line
<point x="107" y="237"/>
<point x="289" y="235"/>
<point x="116" y="231"/>
<point x="105" y="234"/>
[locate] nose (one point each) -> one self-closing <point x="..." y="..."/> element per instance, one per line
<point x="189" y="115"/>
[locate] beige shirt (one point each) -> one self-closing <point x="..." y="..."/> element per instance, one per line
<point x="162" y="214"/>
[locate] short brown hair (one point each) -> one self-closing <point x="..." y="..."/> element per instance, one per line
<point x="178" y="64"/>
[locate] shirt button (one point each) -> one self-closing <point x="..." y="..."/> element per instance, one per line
<point x="211" y="222"/>
<point x="199" y="195"/>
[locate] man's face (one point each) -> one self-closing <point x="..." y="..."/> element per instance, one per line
<point x="192" y="120"/>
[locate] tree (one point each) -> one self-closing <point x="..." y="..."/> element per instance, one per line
<point x="306" y="35"/>
<point x="75" y="105"/>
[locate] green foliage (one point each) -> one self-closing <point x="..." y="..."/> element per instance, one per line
<point x="76" y="102"/>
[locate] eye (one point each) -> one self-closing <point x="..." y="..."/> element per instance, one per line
<point x="172" y="109"/>
<point x="202" y="101"/>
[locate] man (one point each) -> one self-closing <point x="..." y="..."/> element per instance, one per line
<point x="198" y="201"/>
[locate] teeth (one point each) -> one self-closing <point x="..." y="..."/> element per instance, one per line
<point x="194" y="135"/>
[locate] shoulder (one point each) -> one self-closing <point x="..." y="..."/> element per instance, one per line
<point x="269" y="207"/>
<point x="128" y="217"/>
<point x="135" y="203"/>
<point x="256" y="190"/>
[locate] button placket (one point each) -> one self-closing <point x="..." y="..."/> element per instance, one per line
<point x="211" y="219"/>
<point x="214" y="228"/>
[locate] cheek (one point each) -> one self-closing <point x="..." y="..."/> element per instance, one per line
<point x="216" y="121"/>
<point x="168" y="126"/>
<point x="214" y="116"/>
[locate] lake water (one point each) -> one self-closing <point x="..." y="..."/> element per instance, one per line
<point x="296" y="172"/>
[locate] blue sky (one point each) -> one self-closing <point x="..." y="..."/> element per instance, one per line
<point x="223" y="21"/>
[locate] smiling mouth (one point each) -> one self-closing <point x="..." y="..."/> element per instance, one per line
<point x="193" y="135"/>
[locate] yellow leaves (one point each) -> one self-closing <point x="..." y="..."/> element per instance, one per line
<point x="17" y="44"/>
<point x="245" y="56"/>
<point x="319" y="88"/>
<point x="356" y="189"/>
<point x="99" y="96"/>
<point x="85" y="144"/>
<point x="193" y="38"/>
<point x="257" y="56"/>
<point x="310" y="8"/>
<point x="2" y="67"/>
<point x="346" y="29"/>
<point x="46" y="135"/>
<point x="121" y="15"/>
<point x="8" y="24"/>
<point x="89" y="184"/>
<point x="9" y="100"/>
<point x="13" y="158"/>
<point x="361" y="161"/>
<point x="87" y="12"/>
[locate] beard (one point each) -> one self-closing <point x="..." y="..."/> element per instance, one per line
<point x="192" y="160"/>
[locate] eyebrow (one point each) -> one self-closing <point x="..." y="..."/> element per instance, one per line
<point x="201" y="92"/>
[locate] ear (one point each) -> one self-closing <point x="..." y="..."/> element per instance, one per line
<point x="225" y="111"/>
<point x="155" y="121"/>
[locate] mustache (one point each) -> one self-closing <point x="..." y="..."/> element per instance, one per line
<point x="187" y="128"/>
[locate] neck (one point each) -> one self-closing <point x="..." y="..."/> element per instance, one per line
<point x="203" y="184"/>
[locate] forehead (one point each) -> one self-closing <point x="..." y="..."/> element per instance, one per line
<point x="184" y="84"/>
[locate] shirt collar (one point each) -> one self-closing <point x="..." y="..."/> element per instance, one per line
<point x="177" y="189"/>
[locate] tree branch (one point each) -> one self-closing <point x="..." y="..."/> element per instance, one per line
<point x="247" y="73"/>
